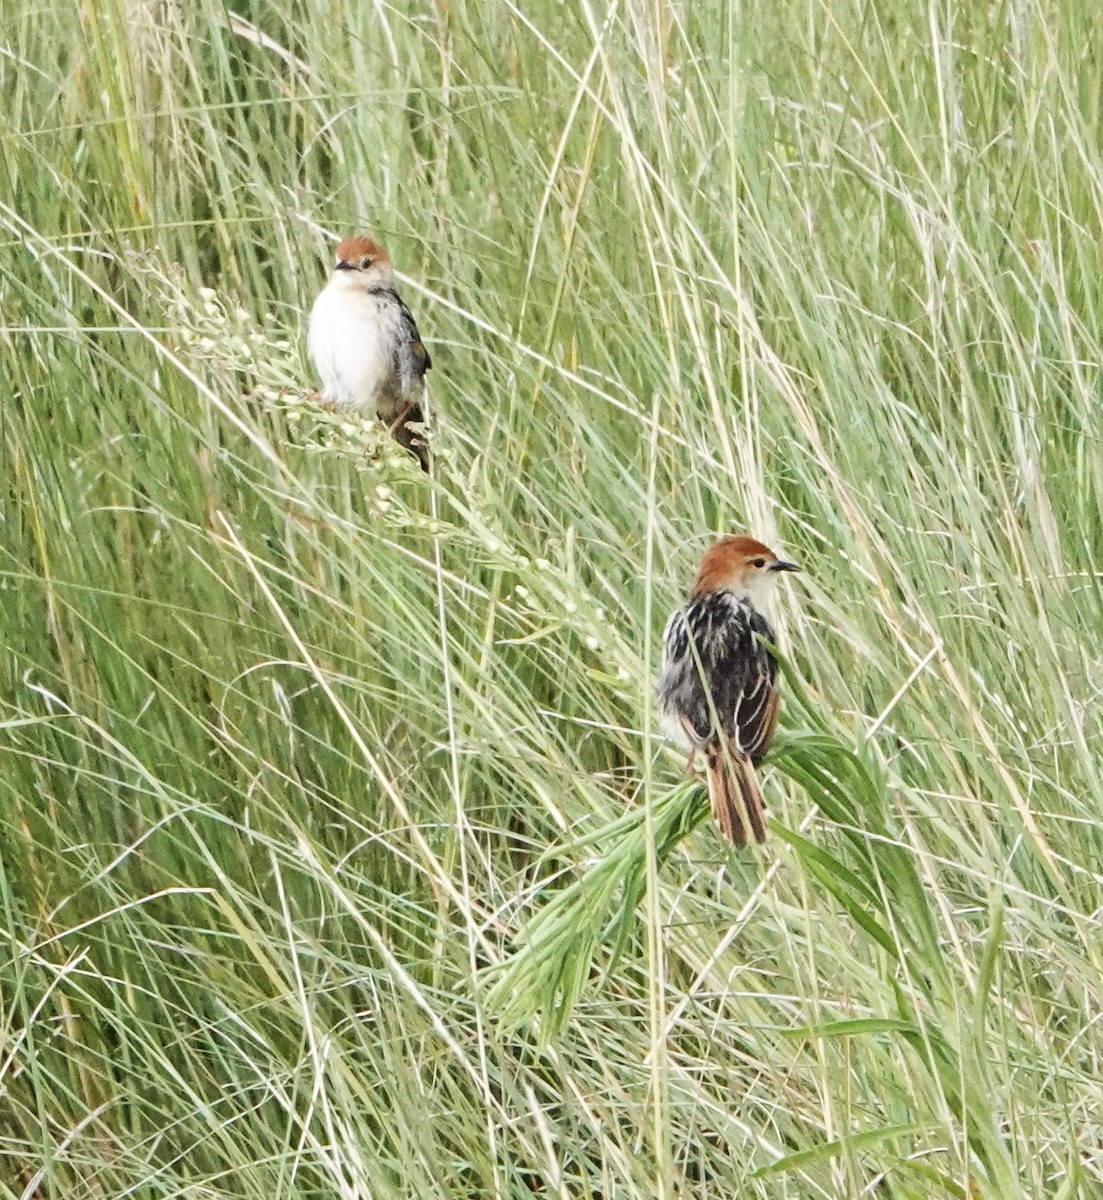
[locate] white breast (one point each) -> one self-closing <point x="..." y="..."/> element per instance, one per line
<point x="350" y="343"/>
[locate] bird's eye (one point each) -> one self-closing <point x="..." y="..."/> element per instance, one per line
<point x="365" y="263"/>
<point x="758" y="562"/>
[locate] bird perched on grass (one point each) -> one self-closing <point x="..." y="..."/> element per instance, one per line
<point x="718" y="686"/>
<point x="365" y="344"/>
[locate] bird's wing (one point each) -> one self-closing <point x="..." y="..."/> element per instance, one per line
<point x="754" y="689"/>
<point x="675" y="641"/>
<point x="756" y="717"/>
<point x="681" y="694"/>
<point x="422" y="361"/>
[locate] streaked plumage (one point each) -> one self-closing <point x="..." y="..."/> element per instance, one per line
<point x="365" y="343"/>
<point x="718" y="686"/>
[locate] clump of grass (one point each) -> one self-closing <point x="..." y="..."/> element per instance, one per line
<point x="553" y="956"/>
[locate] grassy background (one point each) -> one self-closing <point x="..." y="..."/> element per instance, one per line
<point x="285" y="731"/>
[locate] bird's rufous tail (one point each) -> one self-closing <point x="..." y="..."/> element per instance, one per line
<point x="736" y="799"/>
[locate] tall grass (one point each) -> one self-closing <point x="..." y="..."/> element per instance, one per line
<point x="298" y="750"/>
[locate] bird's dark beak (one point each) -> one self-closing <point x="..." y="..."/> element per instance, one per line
<point x="782" y="565"/>
<point x="344" y="266"/>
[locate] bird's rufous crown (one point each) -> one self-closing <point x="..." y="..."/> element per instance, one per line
<point x="354" y="249"/>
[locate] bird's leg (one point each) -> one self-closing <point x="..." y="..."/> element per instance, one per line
<point x="400" y="421"/>
<point x="406" y="437"/>
<point x="691" y="762"/>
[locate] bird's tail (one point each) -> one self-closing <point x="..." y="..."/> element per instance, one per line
<point x="408" y="438"/>
<point x="736" y="799"/>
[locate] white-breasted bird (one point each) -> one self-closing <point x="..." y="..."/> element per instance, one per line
<point x="365" y="344"/>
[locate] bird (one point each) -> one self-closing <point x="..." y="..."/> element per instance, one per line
<point x="365" y="344"/>
<point x="717" y="690"/>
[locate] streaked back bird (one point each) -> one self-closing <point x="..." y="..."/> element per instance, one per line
<point x="718" y="687"/>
